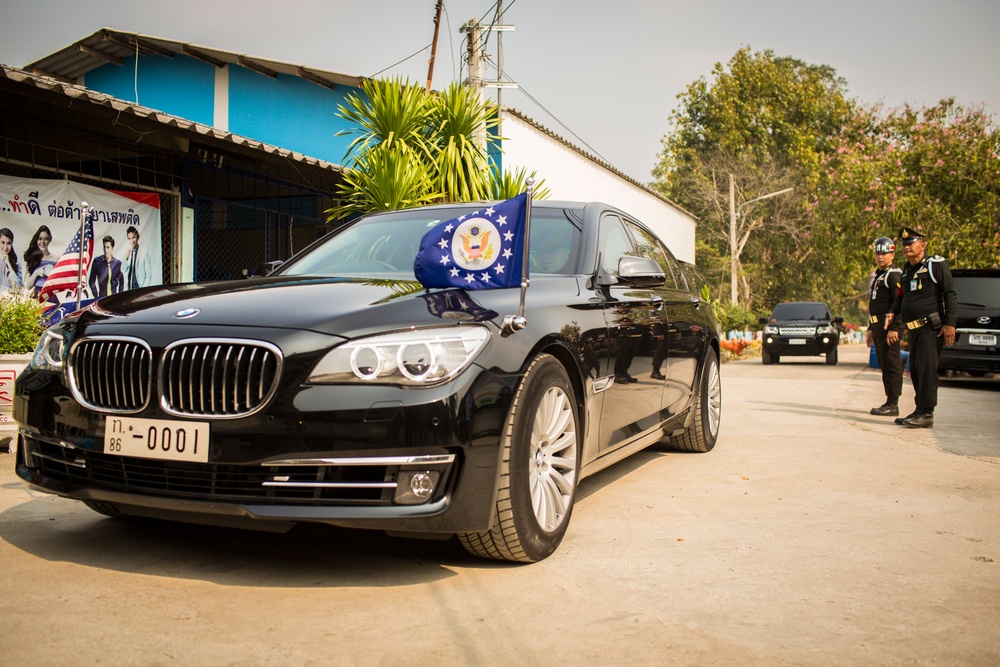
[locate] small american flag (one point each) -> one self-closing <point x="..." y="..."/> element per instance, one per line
<point x="66" y="273"/>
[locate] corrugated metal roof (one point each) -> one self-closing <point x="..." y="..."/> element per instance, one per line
<point x="81" y="93"/>
<point x="108" y="45"/>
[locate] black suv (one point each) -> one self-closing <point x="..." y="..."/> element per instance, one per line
<point x="800" y="329"/>
<point x="978" y="330"/>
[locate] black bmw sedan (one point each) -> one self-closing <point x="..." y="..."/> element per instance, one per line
<point x="338" y="389"/>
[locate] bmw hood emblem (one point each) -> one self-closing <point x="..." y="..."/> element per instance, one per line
<point x="186" y="313"/>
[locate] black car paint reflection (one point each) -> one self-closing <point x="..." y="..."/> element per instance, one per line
<point x="612" y="332"/>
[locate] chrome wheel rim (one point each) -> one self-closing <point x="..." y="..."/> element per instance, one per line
<point x="714" y="399"/>
<point x="552" y="460"/>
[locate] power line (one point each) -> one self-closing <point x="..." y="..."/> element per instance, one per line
<point x="417" y="53"/>
<point x="553" y="116"/>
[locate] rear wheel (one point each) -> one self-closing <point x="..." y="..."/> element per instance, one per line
<point x="539" y="469"/>
<point x="704" y="432"/>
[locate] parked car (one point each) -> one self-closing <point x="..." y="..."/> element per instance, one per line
<point x="978" y="329"/>
<point x="800" y="329"/>
<point x="336" y="389"/>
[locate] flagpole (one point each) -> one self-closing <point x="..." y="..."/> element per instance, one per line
<point x="79" y="270"/>
<point x="514" y="323"/>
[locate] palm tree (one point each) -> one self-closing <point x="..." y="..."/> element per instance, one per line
<point x="412" y="148"/>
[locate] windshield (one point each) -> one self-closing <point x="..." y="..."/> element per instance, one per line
<point x="385" y="245"/>
<point x="800" y="311"/>
<point x="983" y="291"/>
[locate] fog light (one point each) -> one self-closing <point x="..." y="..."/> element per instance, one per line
<point x="769" y="340"/>
<point x="415" y="487"/>
<point x="826" y="339"/>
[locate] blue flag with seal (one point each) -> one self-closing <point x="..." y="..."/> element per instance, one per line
<point x="481" y="250"/>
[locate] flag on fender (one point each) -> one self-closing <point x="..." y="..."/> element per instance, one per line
<point x="66" y="274"/>
<point x="481" y="250"/>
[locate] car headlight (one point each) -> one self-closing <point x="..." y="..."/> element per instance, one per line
<point x="770" y="329"/>
<point x="824" y="330"/>
<point x="419" y="357"/>
<point x="50" y="352"/>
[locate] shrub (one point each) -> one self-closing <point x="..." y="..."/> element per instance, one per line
<point x="20" y="321"/>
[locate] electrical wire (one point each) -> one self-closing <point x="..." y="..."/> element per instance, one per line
<point x="553" y="116"/>
<point x="417" y="53"/>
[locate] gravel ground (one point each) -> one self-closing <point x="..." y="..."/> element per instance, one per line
<point x="814" y="534"/>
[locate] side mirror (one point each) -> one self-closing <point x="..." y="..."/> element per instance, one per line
<point x="264" y="268"/>
<point x="761" y="320"/>
<point x="838" y="320"/>
<point x="640" y="272"/>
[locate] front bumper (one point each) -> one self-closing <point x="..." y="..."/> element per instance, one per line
<point x="800" y="346"/>
<point x="329" y="454"/>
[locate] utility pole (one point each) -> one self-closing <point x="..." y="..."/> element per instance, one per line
<point x="499" y="55"/>
<point x="434" y="43"/>
<point x="475" y="46"/>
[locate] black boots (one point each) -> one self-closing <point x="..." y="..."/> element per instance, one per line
<point x="920" y="420"/>
<point x="887" y="409"/>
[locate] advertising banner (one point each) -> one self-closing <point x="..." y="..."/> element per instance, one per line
<point x="40" y="236"/>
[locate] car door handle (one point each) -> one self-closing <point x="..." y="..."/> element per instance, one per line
<point x="657" y="301"/>
<point x="696" y="302"/>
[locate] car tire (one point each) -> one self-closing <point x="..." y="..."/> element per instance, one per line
<point x="831" y="357"/>
<point x="765" y="358"/>
<point x="704" y="432"/>
<point x="107" y="509"/>
<point x="539" y="469"/>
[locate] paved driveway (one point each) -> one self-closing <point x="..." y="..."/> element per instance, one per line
<point x="814" y="534"/>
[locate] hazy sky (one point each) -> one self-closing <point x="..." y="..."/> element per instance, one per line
<point x="605" y="74"/>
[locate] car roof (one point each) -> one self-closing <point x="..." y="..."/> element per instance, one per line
<point x="985" y="273"/>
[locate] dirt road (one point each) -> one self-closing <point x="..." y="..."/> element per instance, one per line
<point x="814" y="534"/>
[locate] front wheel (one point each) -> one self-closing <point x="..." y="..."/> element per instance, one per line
<point x="831" y="357"/>
<point x="539" y="469"/>
<point x="704" y="432"/>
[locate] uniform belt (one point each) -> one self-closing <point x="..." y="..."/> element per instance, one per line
<point x="916" y="324"/>
<point x="873" y="319"/>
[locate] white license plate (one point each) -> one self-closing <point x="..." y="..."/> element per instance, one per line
<point x="156" y="439"/>
<point x="982" y="339"/>
<point x="797" y="341"/>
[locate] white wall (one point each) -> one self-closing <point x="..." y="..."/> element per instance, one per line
<point x="572" y="176"/>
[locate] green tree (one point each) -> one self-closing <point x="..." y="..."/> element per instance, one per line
<point x="767" y="120"/>
<point x="935" y="169"/>
<point x="412" y="147"/>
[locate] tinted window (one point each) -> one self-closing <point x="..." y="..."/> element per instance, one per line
<point x="981" y="291"/>
<point x="800" y="311"/>
<point x="650" y="247"/>
<point x="615" y="243"/>
<point x="386" y="244"/>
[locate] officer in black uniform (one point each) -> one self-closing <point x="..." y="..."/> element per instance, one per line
<point x="927" y="305"/>
<point x="885" y="287"/>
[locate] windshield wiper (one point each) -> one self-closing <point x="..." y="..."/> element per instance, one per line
<point x="977" y="305"/>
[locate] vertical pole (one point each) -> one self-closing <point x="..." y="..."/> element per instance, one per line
<point x="733" y="296"/>
<point x="434" y="44"/>
<point x="476" y="72"/>
<point x="79" y="257"/>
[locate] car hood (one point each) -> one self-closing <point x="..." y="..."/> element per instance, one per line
<point x="800" y="323"/>
<point x="337" y="306"/>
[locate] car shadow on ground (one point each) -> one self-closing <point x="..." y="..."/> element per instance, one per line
<point x="309" y="555"/>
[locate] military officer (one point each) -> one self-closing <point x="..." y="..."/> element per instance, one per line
<point x="926" y="304"/>
<point x="885" y="287"/>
